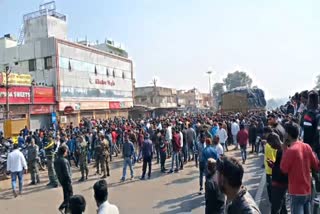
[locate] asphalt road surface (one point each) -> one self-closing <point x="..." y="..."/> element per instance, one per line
<point x="163" y="193"/>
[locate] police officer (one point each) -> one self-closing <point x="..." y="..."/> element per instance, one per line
<point x="107" y="154"/>
<point x="33" y="153"/>
<point x="100" y="155"/>
<point x="83" y="157"/>
<point x="49" y="149"/>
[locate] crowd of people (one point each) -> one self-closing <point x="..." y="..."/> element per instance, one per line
<point x="289" y="140"/>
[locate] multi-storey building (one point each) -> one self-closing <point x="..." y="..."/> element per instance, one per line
<point x="68" y="79"/>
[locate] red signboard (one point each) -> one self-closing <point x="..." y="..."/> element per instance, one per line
<point x="40" y="109"/>
<point x="43" y="95"/>
<point x="114" y="105"/>
<point x="68" y="109"/>
<point x="17" y="95"/>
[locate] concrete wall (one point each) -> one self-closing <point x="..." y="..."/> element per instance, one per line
<point x="33" y="50"/>
<point x="44" y="27"/>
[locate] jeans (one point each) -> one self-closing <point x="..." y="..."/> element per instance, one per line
<point x="300" y="204"/>
<point x="185" y="153"/>
<point x="175" y="156"/>
<point x="127" y="161"/>
<point x="67" y="193"/>
<point x="278" y="200"/>
<point x="163" y="157"/>
<point x="243" y="152"/>
<point x="201" y="170"/>
<point x="14" y="180"/>
<point x="146" y="161"/>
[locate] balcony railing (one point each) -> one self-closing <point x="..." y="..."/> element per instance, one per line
<point x="44" y="12"/>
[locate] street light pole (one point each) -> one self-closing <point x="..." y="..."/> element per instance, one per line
<point x="209" y="72"/>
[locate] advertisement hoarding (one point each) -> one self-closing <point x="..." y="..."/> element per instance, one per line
<point x="17" y="95"/>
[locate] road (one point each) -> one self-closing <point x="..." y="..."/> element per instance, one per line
<point x="163" y="193"/>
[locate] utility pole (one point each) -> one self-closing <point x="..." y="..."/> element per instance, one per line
<point x="209" y="72"/>
<point x="8" y="71"/>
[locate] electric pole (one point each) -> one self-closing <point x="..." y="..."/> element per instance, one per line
<point x="8" y="71"/>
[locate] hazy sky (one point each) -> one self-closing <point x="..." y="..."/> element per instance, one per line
<point x="276" y="41"/>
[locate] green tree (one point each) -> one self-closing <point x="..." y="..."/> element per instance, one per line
<point x="237" y="79"/>
<point x="217" y="91"/>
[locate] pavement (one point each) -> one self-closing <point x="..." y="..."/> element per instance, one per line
<point x="163" y="193"/>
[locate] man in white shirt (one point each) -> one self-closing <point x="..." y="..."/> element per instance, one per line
<point x="16" y="163"/>
<point x="217" y="146"/>
<point x="234" y="131"/>
<point x="223" y="136"/>
<point x="101" y="196"/>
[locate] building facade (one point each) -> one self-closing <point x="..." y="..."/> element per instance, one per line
<point x="80" y="80"/>
<point x="155" y="97"/>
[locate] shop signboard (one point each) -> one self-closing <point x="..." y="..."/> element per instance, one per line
<point x="114" y="105"/>
<point x="41" y="109"/>
<point x="43" y="95"/>
<point x="16" y="79"/>
<point x="17" y="95"/>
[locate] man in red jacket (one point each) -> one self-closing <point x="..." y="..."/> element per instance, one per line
<point x="297" y="161"/>
<point x="176" y="147"/>
<point x="242" y="139"/>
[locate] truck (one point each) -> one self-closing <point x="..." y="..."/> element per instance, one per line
<point x="243" y="100"/>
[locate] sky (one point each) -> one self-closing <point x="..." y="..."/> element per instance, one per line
<point x="276" y="42"/>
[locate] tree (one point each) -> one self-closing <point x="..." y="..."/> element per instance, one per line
<point x="237" y="79"/>
<point x="217" y="91"/>
<point x="317" y="87"/>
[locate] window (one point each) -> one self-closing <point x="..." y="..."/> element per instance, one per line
<point x="123" y="76"/>
<point x="48" y="62"/>
<point x="32" y="65"/>
<point x="69" y="66"/>
<point x="113" y="73"/>
<point x="95" y="70"/>
<point x="107" y="72"/>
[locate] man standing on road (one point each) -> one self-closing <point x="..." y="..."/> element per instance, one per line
<point x="229" y="176"/>
<point x="128" y="153"/>
<point x="100" y="155"/>
<point x="234" y="130"/>
<point x="200" y="147"/>
<point x="16" y="164"/>
<point x="208" y="152"/>
<point x="147" y="152"/>
<point x="83" y="157"/>
<point x="63" y="170"/>
<point x="242" y="139"/>
<point x="33" y="153"/>
<point x="101" y="196"/>
<point x="297" y="161"/>
<point x="49" y="149"/>
<point x="176" y="146"/>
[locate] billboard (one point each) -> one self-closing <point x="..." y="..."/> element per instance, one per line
<point x="17" y="95"/>
<point x="16" y="79"/>
<point x="43" y="95"/>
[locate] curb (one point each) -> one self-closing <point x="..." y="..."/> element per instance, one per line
<point x="259" y="193"/>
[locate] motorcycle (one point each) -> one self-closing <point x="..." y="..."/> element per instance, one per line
<point x="42" y="160"/>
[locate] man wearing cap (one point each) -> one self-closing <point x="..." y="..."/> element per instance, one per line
<point x="83" y="157"/>
<point x="33" y="153"/>
<point x="147" y="152"/>
<point x="49" y="149"/>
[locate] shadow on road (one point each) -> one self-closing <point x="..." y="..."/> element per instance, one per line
<point x="183" y="204"/>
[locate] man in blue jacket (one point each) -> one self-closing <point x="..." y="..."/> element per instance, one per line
<point x="208" y="152"/>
